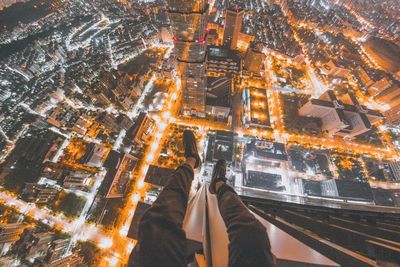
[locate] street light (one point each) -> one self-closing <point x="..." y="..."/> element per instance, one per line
<point x="140" y="184"/>
<point x="135" y="198"/>
<point x="105" y="243"/>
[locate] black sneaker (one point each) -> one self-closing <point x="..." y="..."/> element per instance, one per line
<point x="190" y="146"/>
<point x="219" y="173"/>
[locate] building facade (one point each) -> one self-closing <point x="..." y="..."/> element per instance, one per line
<point x="77" y="180"/>
<point x="395" y="169"/>
<point x="232" y="26"/>
<point x="38" y="193"/>
<point x="219" y="99"/>
<point x="222" y="62"/>
<point x="188" y="22"/>
<point x="9" y="233"/>
<point x="142" y="129"/>
<point x="393" y="115"/>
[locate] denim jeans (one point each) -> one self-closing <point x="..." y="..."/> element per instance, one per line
<point x="162" y="241"/>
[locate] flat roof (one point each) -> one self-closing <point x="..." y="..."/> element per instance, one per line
<point x="256" y="107"/>
<point x="386" y="52"/>
<point x="263" y="180"/>
<point x="138" y="123"/>
<point x="219" y="53"/>
<point x="219" y="91"/>
<point x="220" y="146"/>
<point x="320" y="102"/>
<point x="267" y="150"/>
<point x="118" y="166"/>
<point x="348" y="104"/>
<point x="158" y="175"/>
<point x="223" y="149"/>
<point x="354" y="190"/>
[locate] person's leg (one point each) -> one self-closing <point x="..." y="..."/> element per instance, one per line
<point x="248" y="239"/>
<point x="161" y="237"/>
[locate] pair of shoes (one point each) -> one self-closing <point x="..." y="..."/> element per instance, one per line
<point x="190" y="146"/>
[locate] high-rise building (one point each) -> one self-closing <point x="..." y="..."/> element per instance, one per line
<point x="222" y="61"/>
<point x="389" y="96"/>
<point x="119" y="170"/>
<point x="393" y="115"/>
<point x="94" y="155"/>
<point x="331" y="69"/>
<point x="58" y="249"/>
<point x="77" y="180"/>
<point x="232" y="26"/>
<point x="379" y="86"/>
<point x="254" y="59"/>
<point x="38" y="193"/>
<point x="9" y="233"/>
<point x="188" y="21"/>
<point x="34" y="245"/>
<point x="395" y="169"/>
<point x="141" y="131"/>
<point x="70" y="260"/>
<point x="343" y="116"/>
<point x="166" y="36"/>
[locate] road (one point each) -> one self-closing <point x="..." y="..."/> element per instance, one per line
<point x="83" y="232"/>
<point x="118" y="246"/>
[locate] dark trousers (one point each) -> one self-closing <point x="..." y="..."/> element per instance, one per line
<point x="162" y="241"/>
<point x="248" y="239"/>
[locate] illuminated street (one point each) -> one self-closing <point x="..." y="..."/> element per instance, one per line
<point x="300" y="98"/>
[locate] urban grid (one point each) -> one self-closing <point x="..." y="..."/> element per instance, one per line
<point x="301" y="98"/>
